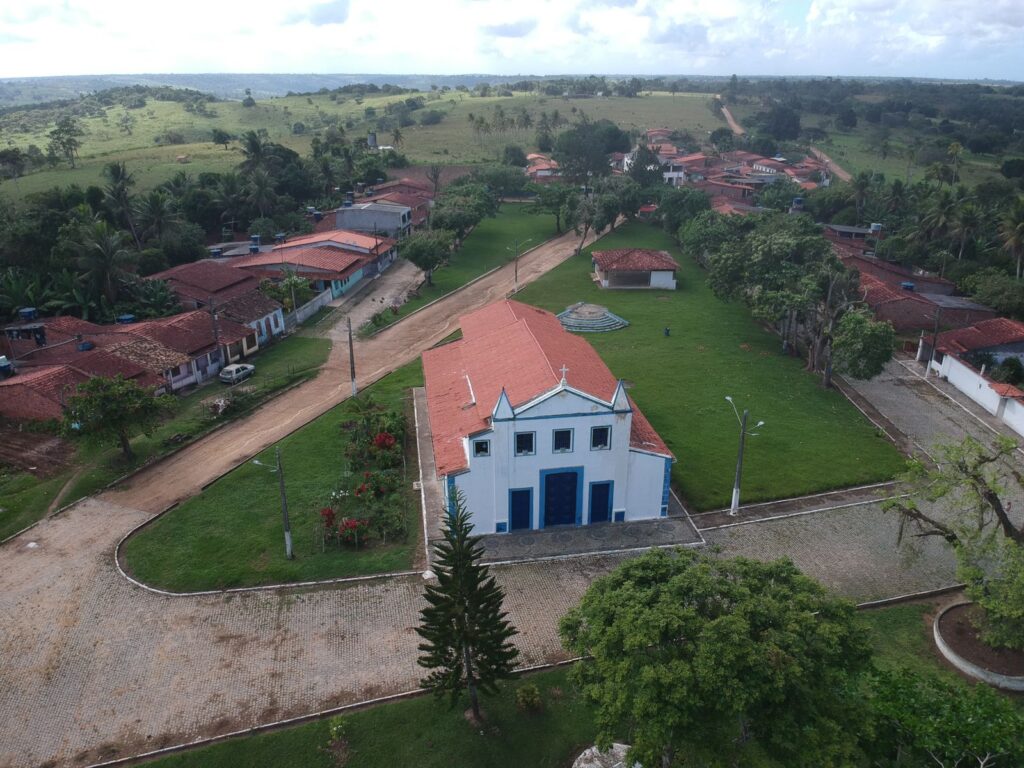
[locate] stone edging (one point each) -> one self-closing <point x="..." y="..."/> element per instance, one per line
<point x="1004" y="682"/>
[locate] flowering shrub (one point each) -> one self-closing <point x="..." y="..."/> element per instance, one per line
<point x="327" y="515"/>
<point x="353" y="531"/>
<point x="384" y="441"/>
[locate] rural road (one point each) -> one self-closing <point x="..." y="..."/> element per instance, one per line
<point x="185" y="473"/>
<point x="837" y="169"/>
<point x="735" y="127"/>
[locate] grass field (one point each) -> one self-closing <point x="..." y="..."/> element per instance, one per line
<point x="230" y="535"/>
<point x="813" y="439"/>
<point x="452" y="141"/>
<point x="425" y="733"/>
<point x="487" y="246"/>
<point x="26" y="499"/>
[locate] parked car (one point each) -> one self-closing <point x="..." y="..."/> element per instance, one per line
<point x="232" y="374"/>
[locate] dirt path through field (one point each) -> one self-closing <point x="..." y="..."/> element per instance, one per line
<point x="734" y="126"/>
<point x="841" y="173"/>
<point x="185" y="473"/>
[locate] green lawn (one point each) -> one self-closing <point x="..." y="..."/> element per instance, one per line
<point x="424" y="732"/>
<point x="230" y="535"/>
<point x="25" y="499"/>
<point x="486" y="247"/>
<point x="813" y="439"/>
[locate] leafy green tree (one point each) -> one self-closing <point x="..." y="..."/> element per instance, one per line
<point x="581" y="213"/>
<point x="921" y="720"/>
<point x="427" y="250"/>
<point x="968" y="498"/>
<point x="550" y="199"/>
<point x="111" y="411"/>
<point x="66" y="139"/>
<point x="514" y="156"/>
<point x="862" y="345"/>
<point x="467" y="638"/>
<point x="156" y="214"/>
<point x="222" y="137"/>
<point x="260" y="192"/>
<point x="646" y="168"/>
<point x="697" y="656"/>
<point x="679" y="205"/>
<point x="994" y="288"/>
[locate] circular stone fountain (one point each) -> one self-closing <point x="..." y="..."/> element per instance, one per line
<point x="590" y="318"/>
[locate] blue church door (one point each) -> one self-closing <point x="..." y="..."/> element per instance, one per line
<point x="600" y="502"/>
<point x="560" y="497"/>
<point x="519" y="509"/>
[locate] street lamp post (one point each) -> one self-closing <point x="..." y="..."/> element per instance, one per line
<point x="735" y="506"/>
<point x="515" y="260"/>
<point x="279" y="469"/>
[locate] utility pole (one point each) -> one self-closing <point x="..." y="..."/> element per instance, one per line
<point x="284" y="507"/>
<point x="515" y="261"/>
<point x="734" y="508"/>
<point x="216" y="331"/>
<point x="351" y="358"/>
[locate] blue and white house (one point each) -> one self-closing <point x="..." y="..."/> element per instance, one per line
<point x="535" y="431"/>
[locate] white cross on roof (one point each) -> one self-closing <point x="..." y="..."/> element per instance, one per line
<point x="565" y="370"/>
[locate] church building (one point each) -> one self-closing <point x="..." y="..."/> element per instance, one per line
<point x="535" y="431"/>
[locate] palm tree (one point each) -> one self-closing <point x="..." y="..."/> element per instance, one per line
<point x="938" y="172"/>
<point x="897" y="198"/>
<point x="230" y="198"/>
<point x="910" y="153"/>
<point x="179" y="185"/>
<point x="257" y="152"/>
<point x="396" y="136"/>
<point x="1011" y="232"/>
<point x="70" y="296"/>
<point x="938" y="218"/>
<point x="967" y="220"/>
<point x="861" y="185"/>
<point x="104" y="259"/>
<point x="118" y="197"/>
<point x="260" y="191"/>
<point x="157" y="214"/>
<point x="955" y="150"/>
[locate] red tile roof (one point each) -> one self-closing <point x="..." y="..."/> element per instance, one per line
<point x="191" y="333"/>
<point x="518" y="348"/>
<point x="987" y="333"/>
<point x="335" y="261"/>
<point x="344" y="239"/>
<point x="39" y="393"/>
<point x="207" y="279"/>
<point x="634" y="260"/>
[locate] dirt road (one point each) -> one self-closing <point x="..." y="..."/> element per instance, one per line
<point x="185" y="473"/>
<point x="735" y="127"/>
<point x="838" y="170"/>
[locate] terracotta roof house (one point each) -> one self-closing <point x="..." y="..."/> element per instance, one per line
<point x="533" y="430"/>
<point x="910" y="311"/>
<point x="542" y="169"/>
<point x="337" y="260"/>
<point x="893" y="274"/>
<point x="232" y="293"/>
<point x="964" y="357"/>
<point x="635" y="268"/>
<point x="166" y="354"/>
<point x="420" y="205"/>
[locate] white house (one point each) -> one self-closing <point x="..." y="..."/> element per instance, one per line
<point x="635" y="268"/>
<point x="962" y="357"/>
<point x="535" y="431"/>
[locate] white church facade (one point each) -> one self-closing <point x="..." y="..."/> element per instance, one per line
<point x="535" y="431"/>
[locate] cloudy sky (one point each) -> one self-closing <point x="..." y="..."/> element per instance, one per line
<point x="920" y="38"/>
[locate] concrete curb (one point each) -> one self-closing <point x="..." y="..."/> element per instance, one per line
<point x="299" y="720"/>
<point x="1003" y="682"/>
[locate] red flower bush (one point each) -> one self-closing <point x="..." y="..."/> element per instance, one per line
<point x="353" y="531"/>
<point x="384" y="441"/>
<point x="327" y="515"/>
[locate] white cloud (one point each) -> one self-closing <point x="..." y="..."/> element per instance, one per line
<point x="955" y="38"/>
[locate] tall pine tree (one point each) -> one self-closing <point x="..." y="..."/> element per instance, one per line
<point x="467" y="636"/>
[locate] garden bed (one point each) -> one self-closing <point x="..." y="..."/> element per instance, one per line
<point x="963" y="638"/>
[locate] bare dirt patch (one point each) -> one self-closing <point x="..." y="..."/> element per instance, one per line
<point x="40" y="453"/>
<point x="960" y="634"/>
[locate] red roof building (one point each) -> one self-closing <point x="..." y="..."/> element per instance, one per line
<point x="201" y="283"/>
<point x="520" y="404"/>
<point x="635" y="268"/>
